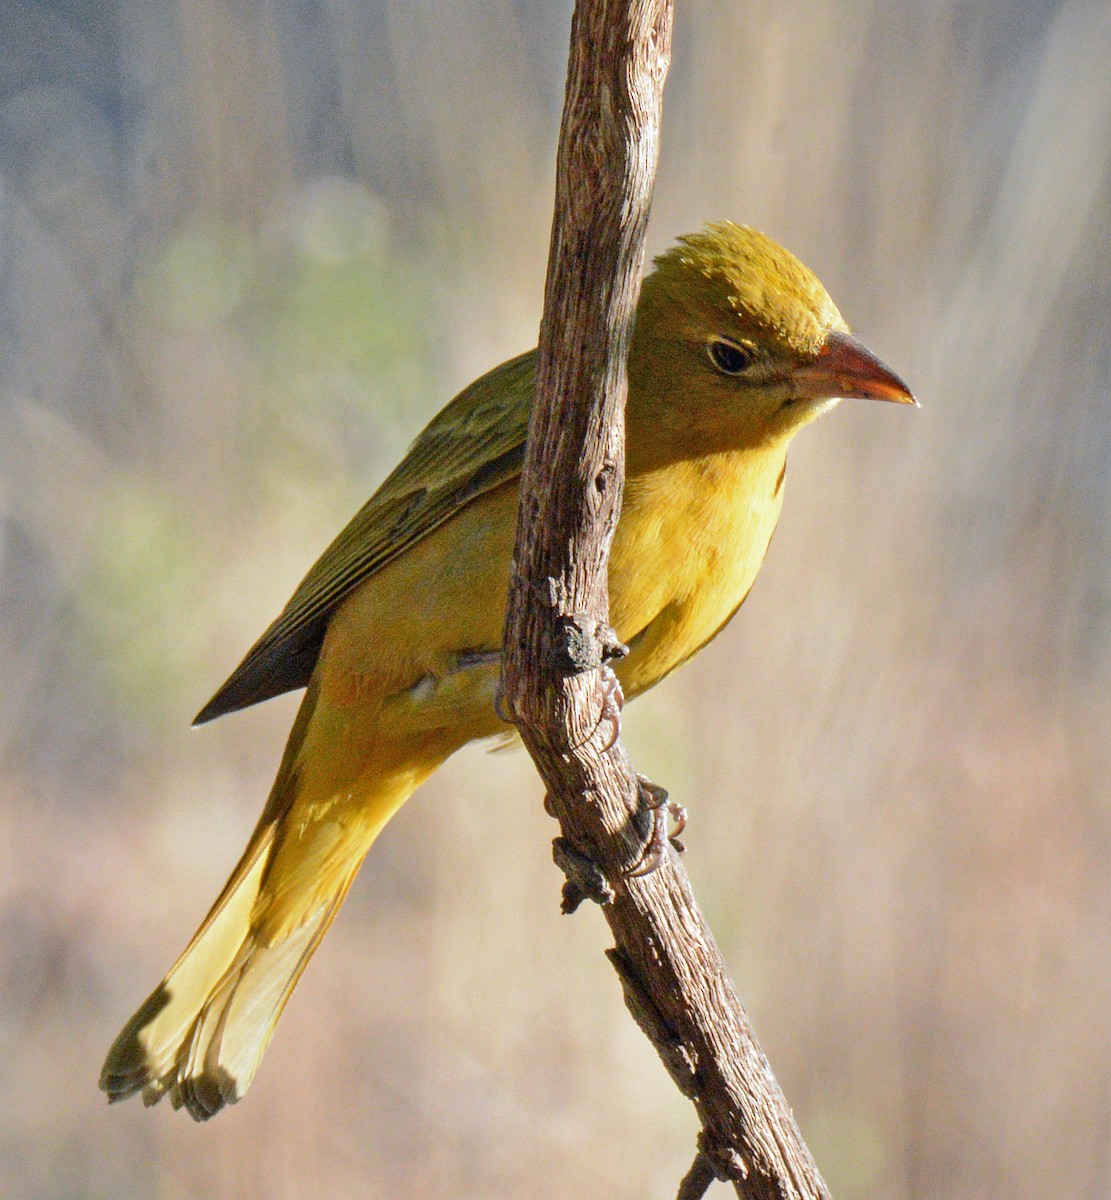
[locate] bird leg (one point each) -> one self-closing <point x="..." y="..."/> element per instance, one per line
<point x="613" y="701"/>
<point x="586" y="880"/>
<point x="611" y="649"/>
<point x="655" y="801"/>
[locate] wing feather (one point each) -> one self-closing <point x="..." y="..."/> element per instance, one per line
<point x="473" y="445"/>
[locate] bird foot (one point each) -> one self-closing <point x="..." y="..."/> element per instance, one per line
<point x="585" y="879"/>
<point x="655" y="801"/>
<point x="613" y="701"/>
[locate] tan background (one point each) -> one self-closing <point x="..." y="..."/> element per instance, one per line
<point x="246" y="249"/>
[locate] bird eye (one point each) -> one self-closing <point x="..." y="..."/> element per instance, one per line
<point x="729" y="358"/>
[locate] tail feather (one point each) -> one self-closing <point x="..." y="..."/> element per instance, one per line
<point x="233" y="1028"/>
<point x="202" y="1033"/>
<point x="145" y="1055"/>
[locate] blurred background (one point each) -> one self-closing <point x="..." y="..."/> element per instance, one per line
<point x="247" y="248"/>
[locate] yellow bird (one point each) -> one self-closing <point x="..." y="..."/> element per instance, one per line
<point x="396" y="631"/>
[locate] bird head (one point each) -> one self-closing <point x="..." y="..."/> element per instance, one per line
<point x="738" y="344"/>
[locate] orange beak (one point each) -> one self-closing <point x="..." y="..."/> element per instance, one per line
<point x="847" y="370"/>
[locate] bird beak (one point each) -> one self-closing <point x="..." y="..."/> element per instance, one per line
<point x="845" y="369"/>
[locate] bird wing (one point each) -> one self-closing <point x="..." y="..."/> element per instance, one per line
<point x="474" y="444"/>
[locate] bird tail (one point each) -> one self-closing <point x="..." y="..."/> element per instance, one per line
<point x="201" y="1034"/>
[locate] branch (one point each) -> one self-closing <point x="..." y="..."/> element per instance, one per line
<point x="557" y="636"/>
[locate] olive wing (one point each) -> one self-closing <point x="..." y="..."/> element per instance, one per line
<point x="473" y="445"/>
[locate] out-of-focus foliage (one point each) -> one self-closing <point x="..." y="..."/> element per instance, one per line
<point x="245" y="252"/>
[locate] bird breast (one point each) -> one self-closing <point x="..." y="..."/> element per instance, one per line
<point x="690" y="541"/>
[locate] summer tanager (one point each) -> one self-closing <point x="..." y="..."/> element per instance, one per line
<point x="396" y="631"/>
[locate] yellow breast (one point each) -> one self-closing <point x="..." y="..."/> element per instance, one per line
<point x="691" y="539"/>
<point x="689" y="543"/>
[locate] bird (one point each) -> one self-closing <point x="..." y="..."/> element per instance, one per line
<point x="395" y="634"/>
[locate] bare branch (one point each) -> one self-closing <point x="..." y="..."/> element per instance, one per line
<point x="557" y="633"/>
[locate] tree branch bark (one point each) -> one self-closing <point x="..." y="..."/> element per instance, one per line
<point x="557" y="637"/>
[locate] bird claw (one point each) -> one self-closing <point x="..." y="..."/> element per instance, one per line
<point x="656" y="802"/>
<point x="613" y="701"/>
